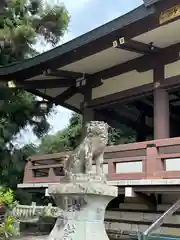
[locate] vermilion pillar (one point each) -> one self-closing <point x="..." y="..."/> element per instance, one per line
<point x="161" y="106"/>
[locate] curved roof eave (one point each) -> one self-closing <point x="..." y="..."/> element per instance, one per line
<point x="116" y="24"/>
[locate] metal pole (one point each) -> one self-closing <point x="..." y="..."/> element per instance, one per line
<point x="161" y="220"/>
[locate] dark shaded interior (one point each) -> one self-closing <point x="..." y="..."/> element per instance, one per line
<point x="136" y="116"/>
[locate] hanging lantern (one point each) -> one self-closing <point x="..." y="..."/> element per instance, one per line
<point x="43" y="105"/>
<point x="11" y="84"/>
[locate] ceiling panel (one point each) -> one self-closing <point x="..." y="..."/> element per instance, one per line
<point x="163" y="36"/>
<point x="100" y="61"/>
<point x="76" y="100"/>
<point x="42" y="77"/>
<point x="52" y="92"/>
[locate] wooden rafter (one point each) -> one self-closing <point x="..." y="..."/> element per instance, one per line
<point x="64" y="74"/>
<point x="148" y="3"/>
<point x="53" y="100"/>
<point x="135" y="46"/>
<point x="94" y="82"/>
<point x="46" y="83"/>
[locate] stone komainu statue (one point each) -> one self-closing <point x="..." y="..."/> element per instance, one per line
<point x="91" y="149"/>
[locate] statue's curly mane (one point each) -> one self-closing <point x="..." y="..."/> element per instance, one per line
<point x="96" y="128"/>
<point x="91" y="148"/>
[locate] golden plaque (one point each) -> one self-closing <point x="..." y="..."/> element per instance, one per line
<point x="169" y="14"/>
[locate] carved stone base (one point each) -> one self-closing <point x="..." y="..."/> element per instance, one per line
<point x="81" y="177"/>
<point x="84" y="206"/>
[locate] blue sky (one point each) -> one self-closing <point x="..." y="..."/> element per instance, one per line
<point x="85" y="16"/>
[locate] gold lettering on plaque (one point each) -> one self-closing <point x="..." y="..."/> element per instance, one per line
<point x="169" y="14"/>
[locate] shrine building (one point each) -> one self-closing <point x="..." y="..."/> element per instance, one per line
<point x="126" y="73"/>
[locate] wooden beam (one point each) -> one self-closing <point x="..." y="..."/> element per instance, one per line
<point x="159" y="189"/>
<point x="64" y="74"/>
<point x="148" y="3"/>
<point x="46" y="83"/>
<point x="135" y="46"/>
<point x="73" y="77"/>
<point x="126" y="96"/>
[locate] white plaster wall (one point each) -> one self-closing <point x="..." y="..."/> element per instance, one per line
<point x="172" y="69"/>
<point x="129" y="167"/>
<point x="172" y="164"/>
<point x="123" y="82"/>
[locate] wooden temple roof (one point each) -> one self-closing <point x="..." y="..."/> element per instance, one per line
<point x="134" y="41"/>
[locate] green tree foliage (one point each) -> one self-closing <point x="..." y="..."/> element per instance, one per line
<point x="122" y="135"/>
<point x="6" y="197"/>
<point x="7" y="202"/>
<point x="65" y="140"/>
<point x="19" y="109"/>
<point x="22" y="24"/>
<point x="69" y="138"/>
<point x="7" y="230"/>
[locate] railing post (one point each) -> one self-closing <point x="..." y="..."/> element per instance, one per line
<point x="111" y="169"/>
<point x="153" y="163"/>
<point x="28" y="172"/>
<point x="51" y="175"/>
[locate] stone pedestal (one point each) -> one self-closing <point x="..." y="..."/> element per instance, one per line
<point x="84" y="203"/>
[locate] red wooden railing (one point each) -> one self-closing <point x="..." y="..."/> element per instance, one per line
<point x="144" y="160"/>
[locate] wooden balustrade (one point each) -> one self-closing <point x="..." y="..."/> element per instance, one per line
<point x="145" y="160"/>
